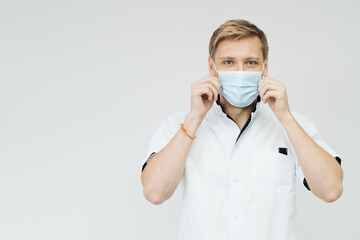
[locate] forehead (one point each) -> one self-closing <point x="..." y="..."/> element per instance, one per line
<point x="242" y="48"/>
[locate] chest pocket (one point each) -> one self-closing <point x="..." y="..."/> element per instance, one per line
<point x="272" y="172"/>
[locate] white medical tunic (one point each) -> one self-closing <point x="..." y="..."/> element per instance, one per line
<point x="238" y="184"/>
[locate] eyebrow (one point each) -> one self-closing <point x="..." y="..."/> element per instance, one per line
<point x="227" y="57"/>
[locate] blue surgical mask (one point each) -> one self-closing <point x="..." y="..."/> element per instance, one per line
<point x="240" y="88"/>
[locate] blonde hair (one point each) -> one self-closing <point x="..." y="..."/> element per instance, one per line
<point x="237" y="29"/>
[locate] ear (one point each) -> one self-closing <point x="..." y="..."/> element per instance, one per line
<point x="211" y="67"/>
<point x="266" y="67"/>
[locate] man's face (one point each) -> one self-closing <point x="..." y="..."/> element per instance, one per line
<point x="239" y="55"/>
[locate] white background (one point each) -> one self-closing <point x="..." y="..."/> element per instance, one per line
<point x="85" y="84"/>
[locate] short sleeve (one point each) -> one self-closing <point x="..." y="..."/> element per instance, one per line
<point x="310" y="128"/>
<point x="162" y="136"/>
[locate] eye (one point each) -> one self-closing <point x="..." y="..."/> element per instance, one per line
<point x="227" y="62"/>
<point x="254" y="63"/>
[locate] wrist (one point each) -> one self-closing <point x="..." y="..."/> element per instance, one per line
<point x="192" y="123"/>
<point x="195" y="117"/>
<point x="286" y="118"/>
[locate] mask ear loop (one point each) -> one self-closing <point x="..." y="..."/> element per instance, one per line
<point x="217" y="74"/>
<point x="262" y="70"/>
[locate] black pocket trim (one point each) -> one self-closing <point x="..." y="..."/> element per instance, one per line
<point x="283" y="150"/>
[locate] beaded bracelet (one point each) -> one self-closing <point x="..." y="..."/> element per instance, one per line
<point x="184" y="129"/>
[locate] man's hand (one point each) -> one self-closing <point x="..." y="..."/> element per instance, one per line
<point x="274" y="92"/>
<point x="203" y="94"/>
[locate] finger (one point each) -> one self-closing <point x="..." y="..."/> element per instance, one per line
<point x="213" y="73"/>
<point x="197" y="83"/>
<point x="269" y="79"/>
<point x="266" y="81"/>
<point x="274" y="94"/>
<point x="212" y="89"/>
<point x="280" y="85"/>
<point x="215" y="82"/>
<point x="267" y="86"/>
<point x="201" y="92"/>
<point x="206" y="91"/>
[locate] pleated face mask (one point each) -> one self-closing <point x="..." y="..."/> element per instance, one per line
<point x="240" y="88"/>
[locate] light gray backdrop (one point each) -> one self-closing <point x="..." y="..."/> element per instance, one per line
<point x="84" y="85"/>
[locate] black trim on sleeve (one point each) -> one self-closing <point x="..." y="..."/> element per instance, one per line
<point x="144" y="165"/>
<point x="338" y="159"/>
<point x="306" y="184"/>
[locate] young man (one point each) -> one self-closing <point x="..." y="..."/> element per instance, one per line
<point x="238" y="157"/>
